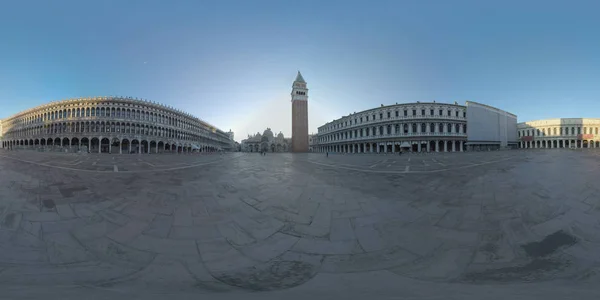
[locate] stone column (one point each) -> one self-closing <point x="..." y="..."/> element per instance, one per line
<point x="109" y="148"/>
<point x="129" y="147"/>
<point x="453" y="146"/>
<point x="445" y="146"/>
<point x="461" y="146"/>
<point x="156" y="148"/>
<point x="437" y="145"/>
<point x="140" y="148"/>
<point x="385" y="147"/>
<point x="419" y="146"/>
<point x="428" y="146"/>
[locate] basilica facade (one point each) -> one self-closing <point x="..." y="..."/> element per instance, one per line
<point x="266" y="142"/>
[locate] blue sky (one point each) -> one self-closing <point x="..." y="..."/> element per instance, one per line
<point x="232" y="63"/>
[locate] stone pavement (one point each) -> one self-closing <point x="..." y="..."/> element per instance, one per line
<point x="436" y="226"/>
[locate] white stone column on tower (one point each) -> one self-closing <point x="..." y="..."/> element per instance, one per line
<point x="445" y="146"/>
<point x="437" y="145"/>
<point x="453" y="146"/>
<point x="419" y="146"/>
<point x="129" y="148"/>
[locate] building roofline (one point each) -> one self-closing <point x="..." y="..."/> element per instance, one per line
<point x="117" y="98"/>
<point x="391" y="106"/>
<point x="489" y="107"/>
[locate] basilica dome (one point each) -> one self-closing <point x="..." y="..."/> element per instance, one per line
<point x="268" y="133"/>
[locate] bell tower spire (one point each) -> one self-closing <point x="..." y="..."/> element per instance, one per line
<point x="299" y="90"/>
<point x="299" y="115"/>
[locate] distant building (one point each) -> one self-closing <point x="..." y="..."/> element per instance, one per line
<point x="312" y="142"/>
<point x="266" y="142"/>
<point x="230" y="134"/>
<point x="559" y="133"/>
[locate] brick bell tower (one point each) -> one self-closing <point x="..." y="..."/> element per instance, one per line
<point x="299" y="115"/>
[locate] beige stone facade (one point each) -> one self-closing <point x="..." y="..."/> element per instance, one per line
<point x="560" y="133"/>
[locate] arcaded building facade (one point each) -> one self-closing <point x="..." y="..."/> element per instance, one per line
<point x="415" y="127"/>
<point x="111" y="125"/>
<point x="559" y="133"/>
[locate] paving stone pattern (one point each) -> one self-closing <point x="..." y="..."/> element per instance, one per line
<point x="242" y="221"/>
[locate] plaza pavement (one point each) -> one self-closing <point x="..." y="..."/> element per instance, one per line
<point x="495" y="225"/>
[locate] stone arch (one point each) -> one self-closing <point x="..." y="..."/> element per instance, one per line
<point x="115" y="145"/>
<point x="95" y="145"/>
<point x="85" y="142"/>
<point x="125" y="146"/>
<point x="75" y="143"/>
<point x="144" y="146"/>
<point x="161" y="146"/>
<point x="104" y="145"/>
<point x="152" y="146"/>
<point x="135" y="146"/>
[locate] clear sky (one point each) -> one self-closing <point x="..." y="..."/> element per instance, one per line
<point x="232" y="63"/>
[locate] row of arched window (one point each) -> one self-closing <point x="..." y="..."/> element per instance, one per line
<point x="105" y="127"/>
<point x="423" y="112"/>
<point x="558" y="131"/>
<point x="106" y="112"/>
<point x="398" y="129"/>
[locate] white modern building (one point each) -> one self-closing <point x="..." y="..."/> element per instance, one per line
<point x="490" y="128"/>
<point x="417" y="127"/>
<point x="559" y="133"/>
